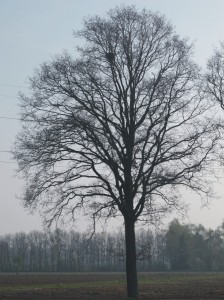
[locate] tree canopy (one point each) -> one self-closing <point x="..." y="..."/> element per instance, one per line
<point x="118" y="124"/>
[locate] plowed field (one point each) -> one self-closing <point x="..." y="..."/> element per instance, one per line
<point x="110" y="286"/>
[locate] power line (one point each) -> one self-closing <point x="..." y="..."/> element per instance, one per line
<point x="17" y="119"/>
<point x="11" y="118"/>
<point x="14" y="85"/>
<point x="7" y="162"/>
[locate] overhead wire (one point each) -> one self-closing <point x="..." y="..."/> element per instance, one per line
<point x="9" y="96"/>
<point x="10" y="118"/>
<point x="7" y="162"/>
<point x="14" y="85"/>
<point x="13" y="97"/>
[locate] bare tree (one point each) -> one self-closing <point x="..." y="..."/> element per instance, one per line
<point x="215" y="76"/>
<point x="118" y="129"/>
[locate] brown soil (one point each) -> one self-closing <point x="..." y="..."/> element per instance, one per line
<point x="162" y="286"/>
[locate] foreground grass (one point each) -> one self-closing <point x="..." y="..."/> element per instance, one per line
<point x="167" y="278"/>
<point x="81" y="285"/>
<point x="144" y="279"/>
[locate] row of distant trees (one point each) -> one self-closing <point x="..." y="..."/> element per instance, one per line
<point x="181" y="247"/>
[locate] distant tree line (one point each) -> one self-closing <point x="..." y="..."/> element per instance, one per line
<point x="180" y="247"/>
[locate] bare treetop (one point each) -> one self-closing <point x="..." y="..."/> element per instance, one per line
<point x="215" y="75"/>
<point x="123" y="118"/>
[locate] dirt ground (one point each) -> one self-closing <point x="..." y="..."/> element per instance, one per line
<point x="110" y="286"/>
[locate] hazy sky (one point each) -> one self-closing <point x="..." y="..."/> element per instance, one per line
<point x="32" y="31"/>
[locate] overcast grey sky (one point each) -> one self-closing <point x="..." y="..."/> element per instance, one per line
<point x="32" y="31"/>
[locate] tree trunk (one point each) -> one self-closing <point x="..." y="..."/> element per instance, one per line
<point x="131" y="269"/>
